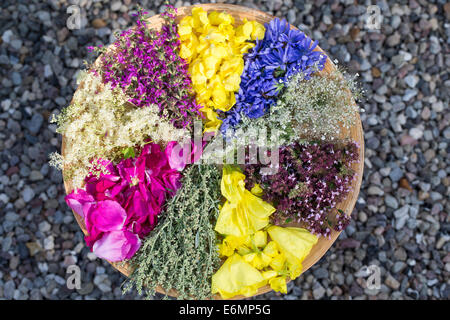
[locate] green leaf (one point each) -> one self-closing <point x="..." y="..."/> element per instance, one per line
<point x="128" y="153"/>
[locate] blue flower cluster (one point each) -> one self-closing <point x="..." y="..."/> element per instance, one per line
<point x="282" y="53"/>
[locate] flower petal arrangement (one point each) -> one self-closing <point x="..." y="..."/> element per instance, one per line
<point x="151" y="112"/>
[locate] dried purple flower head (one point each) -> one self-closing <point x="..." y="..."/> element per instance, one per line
<point x="312" y="179"/>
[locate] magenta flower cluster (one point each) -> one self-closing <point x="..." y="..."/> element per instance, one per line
<point x="312" y="178"/>
<point x="120" y="206"/>
<point x="145" y="63"/>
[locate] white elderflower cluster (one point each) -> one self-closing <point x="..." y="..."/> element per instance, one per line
<point x="100" y="123"/>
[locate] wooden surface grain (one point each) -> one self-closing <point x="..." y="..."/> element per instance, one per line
<point x="356" y="134"/>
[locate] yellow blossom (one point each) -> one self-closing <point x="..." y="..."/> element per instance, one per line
<point x="236" y="277"/>
<point x="214" y="49"/>
<point x="278" y="284"/>
<point x="244" y="219"/>
<point x="257" y="259"/>
<point x="256" y="190"/>
<point x="259" y="239"/>
<point x="269" y="274"/>
<point x="243" y="213"/>
<point x="231" y="243"/>
<point x="278" y="262"/>
<point x="271" y="249"/>
<point x="294" y="243"/>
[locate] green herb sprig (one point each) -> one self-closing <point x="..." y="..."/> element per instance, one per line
<point x="181" y="253"/>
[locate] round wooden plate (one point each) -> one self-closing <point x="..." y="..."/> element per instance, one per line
<point x="356" y="134"/>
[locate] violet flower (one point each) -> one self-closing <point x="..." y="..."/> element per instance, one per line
<point x="312" y="179"/>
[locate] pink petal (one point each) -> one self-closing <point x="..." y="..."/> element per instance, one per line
<point x="171" y="179"/>
<point x="117" y="245"/>
<point x="155" y="160"/>
<point x="93" y="236"/>
<point x="107" y="215"/>
<point x="157" y="190"/>
<point x="79" y="201"/>
<point x="177" y="155"/>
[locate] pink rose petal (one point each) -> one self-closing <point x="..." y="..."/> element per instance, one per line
<point x="79" y="201"/>
<point x="117" y="245"/>
<point x="107" y="215"/>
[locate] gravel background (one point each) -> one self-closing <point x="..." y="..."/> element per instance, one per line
<point x="400" y="222"/>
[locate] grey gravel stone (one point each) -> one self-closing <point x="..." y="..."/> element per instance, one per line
<point x="318" y="291"/>
<point x="28" y="194"/>
<point x="391" y="201"/>
<point x="8" y="289"/>
<point x="396" y="174"/>
<point x="392" y="282"/>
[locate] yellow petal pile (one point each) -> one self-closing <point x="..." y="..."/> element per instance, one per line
<point x="214" y="49"/>
<point x="235" y="275"/>
<point x="254" y="260"/>
<point x="243" y="213"/>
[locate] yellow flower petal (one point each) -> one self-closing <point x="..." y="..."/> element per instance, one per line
<point x="243" y="213"/>
<point x="243" y="250"/>
<point x="244" y="217"/>
<point x="184" y="30"/>
<point x="200" y="17"/>
<point x="278" y="284"/>
<point x="236" y="277"/>
<point x="247" y="29"/>
<point x="294" y="243"/>
<point x="271" y="249"/>
<point x="257" y="260"/>
<point x="260" y="238"/>
<point x="232" y="82"/>
<point x="278" y="262"/>
<point x="212" y="122"/>
<point x="269" y="274"/>
<point x="216" y="18"/>
<point x="256" y="190"/>
<point x="232" y="243"/>
<point x="258" y="31"/>
<point x="231" y="185"/>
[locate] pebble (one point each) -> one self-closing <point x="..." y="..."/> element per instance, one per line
<point x="409" y="94"/>
<point x="411" y="81"/>
<point x="116" y="5"/>
<point x="391" y="201"/>
<point x="398" y="267"/>
<point x="28" y="194"/>
<point x="36" y="123"/>
<point x="8" y="289"/>
<point x="396" y="174"/>
<point x="35" y="175"/>
<point x="393" y="40"/>
<point x="318" y="291"/>
<point x="392" y="282"/>
<point x="44" y="226"/>
<point x="49" y="243"/>
<point x="375" y="191"/>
